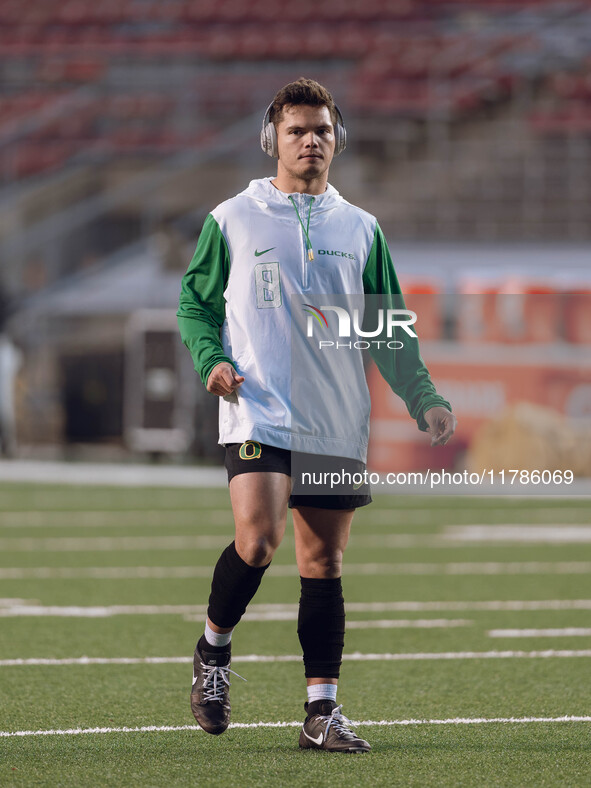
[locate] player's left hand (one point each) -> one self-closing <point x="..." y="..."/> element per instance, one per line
<point x="442" y="425"/>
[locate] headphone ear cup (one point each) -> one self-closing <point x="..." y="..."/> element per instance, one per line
<point x="269" y="135"/>
<point x="340" y="134"/>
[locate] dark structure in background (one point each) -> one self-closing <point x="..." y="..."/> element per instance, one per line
<point x="92" y="389"/>
<point x="10" y="359"/>
<point x="160" y="388"/>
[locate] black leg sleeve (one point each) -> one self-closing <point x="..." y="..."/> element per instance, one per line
<point x="321" y="626"/>
<point x="233" y="586"/>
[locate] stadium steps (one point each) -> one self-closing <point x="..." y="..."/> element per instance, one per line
<point x="486" y="179"/>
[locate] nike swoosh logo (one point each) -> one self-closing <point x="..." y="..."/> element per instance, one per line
<point x="357" y="486"/>
<point x="317" y="740"/>
<point x="258" y="254"/>
<point x="194" y="680"/>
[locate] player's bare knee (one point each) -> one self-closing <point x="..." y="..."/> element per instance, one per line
<point x="257" y="551"/>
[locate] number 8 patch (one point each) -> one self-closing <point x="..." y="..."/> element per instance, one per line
<point x="268" y="285"/>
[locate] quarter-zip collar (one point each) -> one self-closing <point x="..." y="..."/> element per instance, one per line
<point x="263" y="190"/>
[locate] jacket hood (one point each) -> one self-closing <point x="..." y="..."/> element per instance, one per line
<point x="263" y="190"/>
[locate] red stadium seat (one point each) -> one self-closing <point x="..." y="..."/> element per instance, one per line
<point x="577" y="315"/>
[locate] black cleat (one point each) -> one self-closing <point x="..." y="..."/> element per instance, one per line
<point x="330" y="730"/>
<point x="210" y="692"/>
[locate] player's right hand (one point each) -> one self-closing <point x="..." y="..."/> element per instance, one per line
<point x="223" y="379"/>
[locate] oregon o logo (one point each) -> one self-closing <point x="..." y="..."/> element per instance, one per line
<point x="250" y="450"/>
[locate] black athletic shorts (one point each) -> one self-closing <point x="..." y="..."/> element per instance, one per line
<point x="317" y="480"/>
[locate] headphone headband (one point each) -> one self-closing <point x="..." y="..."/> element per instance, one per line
<point x="269" y="134"/>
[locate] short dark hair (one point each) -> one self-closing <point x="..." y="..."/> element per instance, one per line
<point x="302" y="91"/>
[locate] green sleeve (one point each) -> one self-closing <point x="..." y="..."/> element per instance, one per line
<point x="404" y="370"/>
<point x="202" y="307"/>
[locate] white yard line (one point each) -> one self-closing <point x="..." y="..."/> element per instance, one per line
<point x="419" y="516"/>
<point x="116" y="474"/>
<point x="297" y="724"/>
<point x="12" y="609"/>
<point x="526" y="534"/>
<point x="290" y="570"/>
<point x="115" y="518"/>
<point x="98" y="518"/>
<point x="450" y="538"/>
<point x="67" y="544"/>
<point x="565" y="632"/>
<point x="106" y="572"/>
<point x="512" y="604"/>
<point x="265" y="659"/>
<point x="406" y="623"/>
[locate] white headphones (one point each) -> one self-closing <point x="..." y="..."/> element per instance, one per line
<point x="269" y="134"/>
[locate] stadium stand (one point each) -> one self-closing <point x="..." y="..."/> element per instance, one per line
<point x="406" y="57"/>
<point x="468" y="119"/>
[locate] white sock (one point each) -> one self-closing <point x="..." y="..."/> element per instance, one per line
<point x="322" y="692"/>
<point x="215" y="638"/>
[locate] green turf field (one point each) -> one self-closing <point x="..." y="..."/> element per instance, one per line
<point x="464" y="613"/>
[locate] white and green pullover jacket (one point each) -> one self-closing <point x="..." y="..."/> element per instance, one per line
<point x="252" y="256"/>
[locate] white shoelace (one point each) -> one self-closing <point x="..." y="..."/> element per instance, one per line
<point x="338" y="722"/>
<point x="216" y="679"/>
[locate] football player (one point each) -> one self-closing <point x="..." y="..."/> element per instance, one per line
<point x="284" y="236"/>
